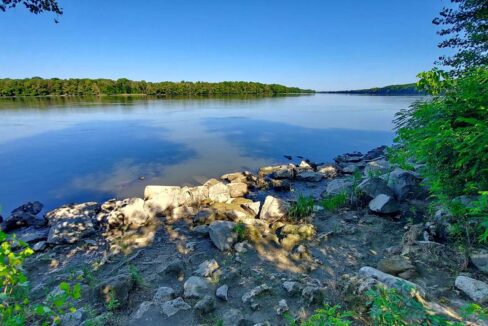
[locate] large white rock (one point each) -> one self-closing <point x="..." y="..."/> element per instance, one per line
<point x="274" y="209"/>
<point x="196" y="287"/>
<point x="390" y="280"/>
<point x="384" y="204"/>
<point x="222" y="234"/>
<point x="476" y="290"/>
<point x="219" y="192"/>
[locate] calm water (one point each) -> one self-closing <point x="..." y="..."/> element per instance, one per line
<point x="59" y="151"/>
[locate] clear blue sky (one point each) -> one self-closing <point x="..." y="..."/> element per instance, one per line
<point x="319" y="44"/>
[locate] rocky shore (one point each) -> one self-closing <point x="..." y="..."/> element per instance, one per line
<point x="234" y="251"/>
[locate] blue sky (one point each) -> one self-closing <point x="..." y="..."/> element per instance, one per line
<point x="319" y="44"/>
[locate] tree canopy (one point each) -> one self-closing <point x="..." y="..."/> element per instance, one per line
<point x="34" y="6"/>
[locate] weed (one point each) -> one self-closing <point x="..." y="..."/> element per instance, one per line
<point x="113" y="303"/>
<point x="335" y="202"/>
<point x="241" y="231"/>
<point x="326" y="316"/>
<point x="136" y="276"/>
<point x="303" y="207"/>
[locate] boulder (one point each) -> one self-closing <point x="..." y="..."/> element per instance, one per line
<point x="236" y="177"/>
<point x="143" y="309"/>
<point x="207" y="268"/>
<point x="329" y="171"/>
<point x="395" y="265"/>
<point x="222" y="234"/>
<point x="309" y="176"/>
<point x="238" y="189"/>
<point x="257" y="291"/>
<point x="313" y="294"/>
<point x="24" y="216"/>
<point x="196" y="287"/>
<point x="479" y="259"/>
<point x="133" y="212"/>
<point x="32" y="234"/>
<point x="282" y="307"/>
<point x="205" y="305"/>
<point x="234" y="317"/>
<point x="274" y="209"/>
<point x="292" y="287"/>
<point x="163" y="294"/>
<point x="222" y="292"/>
<point x="219" y="192"/>
<point x="375" y="153"/>
<point x="384" y="204"/>
<point x="405" y="184"/>
<point x="281" y="184"/>
<point x="279" y="171"/>
<point x="371" y="187"/>
<point x="117" y="288"/>
<point x="389" y="280"/>
<point x="183" y="212"/>
<point x="350" y="169"/>
<point x="353" y="157"/>
<point x="172" y="307"/>
<point x="377" y="168"/>
<point x="70" y="223"/>
<point x="476" y="290"/>
<point x="338" y="187"/>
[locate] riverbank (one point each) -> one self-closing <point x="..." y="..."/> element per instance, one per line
<point x="252" y="248"/>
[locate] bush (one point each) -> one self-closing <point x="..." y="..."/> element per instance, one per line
<point x="326" y="316"/>
<point x="15" y="306"/>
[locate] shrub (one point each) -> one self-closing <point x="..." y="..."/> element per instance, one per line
<point x="326" y="316"/>
<point x="303" y="207"/>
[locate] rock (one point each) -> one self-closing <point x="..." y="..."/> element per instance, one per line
<point x="384" y="204"/>
<point x="196" y="287"/>
<point x="274" y="209"/>
<point x="207" y="268"/>
<point x="377" y="168"/>
<point x="292" y="288"/>
<point x="201" y="230"/>
<point x="258" y="290"/>
<point x="40" y="246"/>
<point x="23" y="216"/>
<point x="183" y="212"/>
<point x="133" y="212"/>
<point x="353" y="157"/>
<point x="281" y="184"/>
<point x="476" y="290"/>
<point x="313" y="294"/>
<point x="163" y="294"/>
<point x="144" y="307"/>
<point x="338" y="187"/>
<point x="375" y="153"/>
<point x="74" y="318"/>
<point x="219" y="192"/>
<point x="221" y="292"/>
<point x="233" y="317"/>
<point x="32" y="234"/>
<point x="175" y="268"/>
<point x="33" y="208"/>
<point x="282" y="307"/>
<point x="369" y="188"/>
<point x="71" y="223"/>
<point x="172" y="307"/>
<point x="405" y="184"/>
<point x="395" y="265"/>
<point x="160" y="200"/>
<point x="329" y="171"/>
<point x="236" y="177"/>
<point x="309" y="176"/>
<point x="238" y="189"/>
<point x="204" y="216"/>
<point x="117" y="288"/>
<point x="480" y="260"/>
<point x="389" y="280"/>
<point x="222" y="234"/>
<point x="305" y="165"/>
<point x="205" y="305"/>
<point x="278" y="172"/>
<point x="350" y="169"/>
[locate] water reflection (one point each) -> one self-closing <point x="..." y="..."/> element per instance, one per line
<point x="60" y="150"/>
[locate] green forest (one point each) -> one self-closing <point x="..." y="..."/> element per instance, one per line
<point x="402" y="89"/>
<point x="79" y="87"/>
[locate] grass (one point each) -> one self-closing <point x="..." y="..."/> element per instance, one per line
<point x="303" y="207"/>
<point x="326" y="316"/>
<point x="241" y="231"/>
<point x="335" y="202"/>
<point x="136" y="276"/>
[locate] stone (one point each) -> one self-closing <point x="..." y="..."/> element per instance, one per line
<point x="23" y="216"/>
<point x="405" y="184"/>
<point x="74" y="318"/>
<point x="257" y="291"/>
<point x="329" y="171"/>
<point x="479" y="259"/>
<point x="163" y="294"/>
<point x="233" y="317"/>
<point x="281" y="184"/>
<point x="183" y="212"/>
<point x="282" y="307"/>
<point x="292" y="287"/>
<point x="309" y="176"/>
<point x="222" y="291"/>
<point x="201" y="230"/>
<point x="236" y="177"/>
<point x="117" y="287"/>
<point x="375" y="153"/>
<point x="33" y="208"/>
<point x="238" y="189"/>
<point x="39" y="246"/>
<point x="279" y="171"/>
<point x="377" y="168"/>
<point x="305" y="165"/>
<point x="313" y="294"/>
<point x="204" y="216"/>
<point x="476" y="290"/>
<point x="161" y="200"/>
<point x="274" y="209"/>
<point x="196" y="287"/>
<point x="222" y="234"/>
<point x="174" y="268"/>
<point x="353" y="157"/>
<point x="389" y="280"/>
<point x="384" y="204"/>
<point x="350" y="169"/>
<point x="144" y="307"/>
<point x="32" y="234"/>
<point x="338" y="187"/>
<point x="395" y="265"/>
<point x="172" y="307"/>
<point x="133" y="212"/>
<point x="205" y="305"/>
<point x="207" y="268"/>
<point x="219" y="192"/>
<point x="371" y="187"/>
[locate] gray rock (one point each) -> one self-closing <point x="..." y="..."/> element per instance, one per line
<point x="219" y="192"/>
<point x="282" y="307"/>
<point x="389" y="280"/>
<point x="395" y="265"/>
<point x="476" y="290"/>
<point x="309" y="176"/>
<point x="222" y="291"/>
<point x="40" y="246"/>
<point x="133" y="212"/>
<point x="281" y="184"/>
<point x="292" y="287"/>
<point x="163" y="294"/>
<point x="33" y="208"/>
<point x="329" y="171"/>
<point x="233" y="317"/>
<point x="369" y="188"/>
<point x="377" y="168"/>
<point x="353" y="157"/>
<point x="205" y="305"/>
<point x="144" y="307"/>
<point x="172" y="307"/>
<point x="73" y="318"/>
<point x="304" y="165"/>
<point x="480" y="260"/>
<point x="384" y="204"/>
<point x="174" y="268"/>
<point x="338" y="187"/>
<point x="238" y="189"/>
<point x="313" y="294"/>
<point x="23" y="216"/>
<point x="117" y="287"/>
<point x="274" y="209"/>
<point x="222" y="234"/>
<point x="32" y="234"/>
<point x="258" y="290"/>
<point x="350" y="169"/>
<point x="206" y="268"/>
<point x="204" y="216"/>
<point x="201" y="230"/>
<point x="196" y="287"/>
<point x="405" y="184"/>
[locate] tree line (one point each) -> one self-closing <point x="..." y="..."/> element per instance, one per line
<point x="37" y="86"/>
